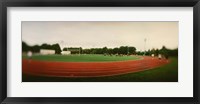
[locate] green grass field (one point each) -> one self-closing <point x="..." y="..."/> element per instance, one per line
<point x="166" y="73"/>
<point x="82" y="58"/>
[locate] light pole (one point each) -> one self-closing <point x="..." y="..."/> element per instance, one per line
<point x="63" y="44"/>
<point x="145" y="46"/>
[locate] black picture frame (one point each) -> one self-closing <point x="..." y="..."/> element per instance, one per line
<point x="99" y="3"/>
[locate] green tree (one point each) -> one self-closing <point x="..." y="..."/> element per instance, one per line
<point x="105" y="50"/>
<point x="123" y="49"/>
<point x="164" y="51"/>
<point x="132" y="50"/>
<point x="35" y="48"/>
<point x="57" y="48"/>
<point x="115" y="50"/>
<point x="25" y="47"/>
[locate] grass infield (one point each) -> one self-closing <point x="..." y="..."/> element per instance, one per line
<point x="82" y="58"/>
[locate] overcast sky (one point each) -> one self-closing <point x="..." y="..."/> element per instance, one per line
<point x="100" y="34"/>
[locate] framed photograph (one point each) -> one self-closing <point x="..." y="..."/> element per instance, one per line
<point x="98" y="51"/>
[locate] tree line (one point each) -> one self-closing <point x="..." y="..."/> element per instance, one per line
<point x="36" y="48"/>
<point x="104" y="50"/>
<point x="117" y="50"/>
<point x="123" y="50"/>
<point x="163" y="51"/>
<point x="75" y="50"/>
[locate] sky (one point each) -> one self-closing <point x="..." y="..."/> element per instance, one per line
<point x="91" y="34"/>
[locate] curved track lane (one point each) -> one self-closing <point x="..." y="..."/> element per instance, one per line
<point x="88" y="69"/>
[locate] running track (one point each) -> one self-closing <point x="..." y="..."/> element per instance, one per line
<point x="88" y="69"/>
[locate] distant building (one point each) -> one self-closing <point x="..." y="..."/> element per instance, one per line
<point x="47" y="52"/>
<point x="73" y="50"/>
<point x="66" y="52"/>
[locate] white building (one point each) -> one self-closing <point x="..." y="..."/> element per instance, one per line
<point x="66" y="52"/>
<point x="47" y="52"/>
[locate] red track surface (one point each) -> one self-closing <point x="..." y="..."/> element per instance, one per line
<point x="88" y="69"/>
